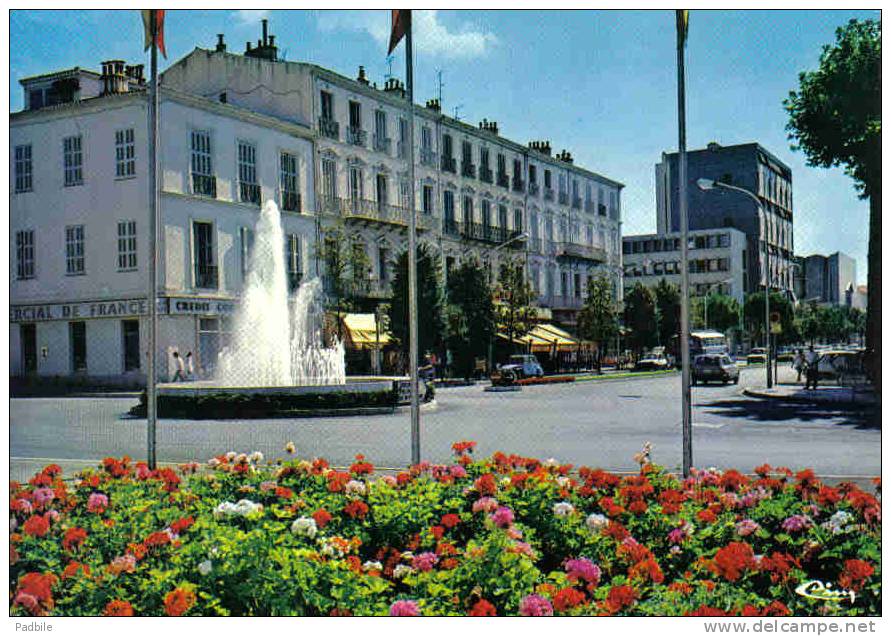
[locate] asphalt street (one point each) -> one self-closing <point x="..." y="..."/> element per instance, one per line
<point x="597" y="423"/>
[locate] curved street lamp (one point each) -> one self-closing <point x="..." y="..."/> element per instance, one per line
<point x="710" y="184"/>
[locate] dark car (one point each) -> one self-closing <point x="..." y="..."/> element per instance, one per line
<point x="715" y="368"/>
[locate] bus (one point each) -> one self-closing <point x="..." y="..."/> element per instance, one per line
<point x="701" y="342"/>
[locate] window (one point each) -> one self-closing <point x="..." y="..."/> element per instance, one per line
<point x="405" y="195"/>
<point x="203" y="180"/>
<point x="577" y="285"/>
<point x="518" y="170"/>
<point x="533" y="177"/>
<point x="74" y="250"/>
<point x="24" y="254"/>
<point x="28" y="337"/>
<point x="502" y="164"/>
<point x="486" y="212"/>
<point x="383" y="259"/>
<point x="446" y="145"/>
<point x="23" y="169"/>
<point x="547" y="178"/>
<point x="723" y="240"/>
<point x="355" y="115"/>
<point x="402" y="147"/>
<point x="356" y="184"/>
<point x="564" y="283"/>
<point x="247" y="249"/>
<point x="288" y="182"/>
<point x="466" y="152"/>
<point x="248" y="189"/>
<point x="73" y="160"/>
<point x="448" y="208"/>
<point x="382" y="198"/>
<point x="292" y="257"/>
<point x="518" y="220"/>
<point x="327" y="105"/>
<point x="35" y="99"/>
<point x="426" y="139"/>
<point x="484" y="157"/>
<point x="125" y="153"/>
<point x="427" y="199"/>
<point x="329" y="179"/>
<point x="381" y="141"/>
<point x="130" y="338"/>
<point x="467" y="210"/>
<point x="203" y="253"/>
<point x="77" y="341"/>
<point x="126" y="246"/>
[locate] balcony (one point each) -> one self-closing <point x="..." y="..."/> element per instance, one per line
<point x="402" y="150"/>
<point x="533" y="188"/>
<point x="485" y="174"/>
<point x="370" y="211"/>
<point x="329" y="128"/>
<point x="601" y="210"/>
<point x="249" y="193"/>
<point x="535" y="244"/>
<point x="206" y="276"/>
<point x="382" y="144"/>
<point x="548" y="194"/>
<point x="449" y="164"/>
<point x="579" y="251"/>
<point x="468" y="169"/>
<point x="291" y="201"/>
<point x="577" y="203"/>
<point x="204" y="185"/>
<point x="563" y="198"/>
<point x="589" y="206"/>
<point x="428" y="157"/>
<point x="450" y="228"/>
<point x="565" y="302"/>
<point x="518" y="184"/>
<point x="489" y="234"/>
<point x="503" y="180"/>
<point x="356" y="136"/>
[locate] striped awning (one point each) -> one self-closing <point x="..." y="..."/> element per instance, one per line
<point x="361" y="333"/>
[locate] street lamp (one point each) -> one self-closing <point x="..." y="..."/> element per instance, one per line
<point x="710" y="184"/>
<point x="705" y="300"/>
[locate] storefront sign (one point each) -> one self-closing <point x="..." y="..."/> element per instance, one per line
<point x="201" y="307"/>
<point x="79" y="311"/>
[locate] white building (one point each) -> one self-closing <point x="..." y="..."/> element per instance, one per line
<point x="236" y="130"/>
<point x="717" y="261"/>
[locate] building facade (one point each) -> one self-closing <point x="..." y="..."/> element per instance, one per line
<point x="748" y="166"/>
<point x="717" y="261"/>
<point x="237" y="130"/>
<point x="830" y="279"/>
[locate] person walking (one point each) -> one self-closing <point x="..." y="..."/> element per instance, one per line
<point x="179" y="374"/>
<point x="812" y="372"/>
<point x="798" y="363"/>
<point x="190" y="366"/>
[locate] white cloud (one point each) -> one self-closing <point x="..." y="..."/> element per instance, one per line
<point x="249" y="17"/>
<point x="431" y="36"/>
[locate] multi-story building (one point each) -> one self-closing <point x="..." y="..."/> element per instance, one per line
<point x="829" y="279"/>
<point x="238" y="130"/>
<point x="717" y="261"/>
<point x="748" y="166"/>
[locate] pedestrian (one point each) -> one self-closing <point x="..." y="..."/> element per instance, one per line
<point x="812" y="372"/>
<point x="190" y="366"/>
<point x="798" y="363"/>
<point x="179" y="374"/>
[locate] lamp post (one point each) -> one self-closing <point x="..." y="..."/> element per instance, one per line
<point x="705" y="302"/>
<point x="710" y="184"/>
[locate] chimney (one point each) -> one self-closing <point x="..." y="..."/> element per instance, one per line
<point x="489" y="126"/>
<point x="265" y="23"/>
<point x="565" y="156"/>
<point x="714" y="146"/>
<point x="393" y="85"/>
<point x="362" y="79"/>
<point x="247" y="47"/>
<point x="221" y="45"/>
<point x="544" y="147"/>
<point x="135" y="74"/>
<point x="114" y="79"/>
<point x="433" y="104"/>
<point x="265" y="49"/>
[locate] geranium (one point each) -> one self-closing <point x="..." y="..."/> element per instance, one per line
<point x="73" y="568"/>
<point x="796" y="523"/>
<point x="620" y="597"/>
<point x="778" y="565"/>
<point x="582" y="569"/>
<point x="563" y="508"/>
<point x="503" y="517"/>
<point x="121" y="564"/>
<point x="535" y="605"/>
<point x="322" y="517"/>
<point x="405" y="608"/>
<point x="485" y="504"/>
<point x="855" y="574"/>
<point x="463" y="447"/>
<point x="746" y="527"/>
<point x="43" y="496"/>
<point x="97" y="503"/>
<point x="354" y="487"/>
<point x="356" y="509"/>
<point x="205" y="567"/>
<point x="305" y="527"/>
<point x="485" y="484"/>
<point x="179" y="601"/>
<point x="483" y="608"/>
<point x="596" y="522"/>
<point x="567" y="598"/>
<point x="118" y="608"/>
<point x="35" y="592"/>
<point x="733" y="560"/>
<point x="425" y="561"/>
<point x="73" y="539"/>
<point x="361" y="467"/>
<point x="36" y="526"/>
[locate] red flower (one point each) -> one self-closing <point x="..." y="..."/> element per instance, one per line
<point x="403" y="478"/>
<point x="732" y="480"/>
<point x="680" y="587"/>
<point x="356" y="509"/>
<point x="157" y="539"/>
<point x="483" y="608"/>
<point x="778" y="565"/>
<point x="52" y="470"/>
<point x="179" y="601"/>
<point x="35" y="592"/>
<point x="567" y="598"/>
<point x="73" y="539"/>
<point x="337" y="481"/>
<point x="647" y="569"/>
<point x="450" y="520"/>
<point x="854" y="574"/>
<point x="361" y="467"/>
<point x="181" y="525"/>
<point x="322" y="517"/>
<point x="637" y="507"/>
<point x="776" y="608"/>
<point x="73" y="568"/>
<point x="706" y="610"/>
<point x="733" y="560"/>
<point x="284" y="493"/>
<point x="36" y="526"/>
<point x="118" y="608"/>
<point x="616" y="530"/>
<point x="485" y="484"/>
<point x="437" y="532"/>
<point x="463" y="447"/>
<point x="619" y="598"/>
<point x="706" y="516"/>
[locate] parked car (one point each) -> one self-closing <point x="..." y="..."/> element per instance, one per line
<point x="756" y="355"/>
<point x="522" y="366"/>
<point x="714" y="368"/>
<point x="653" y="361"/>
<point x="834" y="363"/>
<point x="785" y="354"/>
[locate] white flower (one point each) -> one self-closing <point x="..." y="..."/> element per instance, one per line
<point x="596" y="522"/>
<point x="225" y="509"/>
<point x="205" y="567"/>
<point x="327" y="549"/>
<point x="563" y="508"/>
<point x="373" y="565"/>
<point x="305" y="526"/>
<point x="401" y="570"/>
<point x="213" y="462"/>
<point x="256" y="457"/>
<point x="408" y="556"/>
<point x="552" y="463"/>
<point x="241" y="458"/>
<point x="563" y="482"/>
<point x="837" y="523"/>
<point x="231" y="455"/>
<point x="13" y="524"/>
<point x="241" y="509"/>
<point x="505" y="481"/>
<point x="354" y="487"/>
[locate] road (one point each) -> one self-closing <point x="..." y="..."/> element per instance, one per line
<point x="598" y="423"/>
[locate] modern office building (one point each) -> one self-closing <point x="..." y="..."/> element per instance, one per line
<point x="830" y="279"/>
<point x="240" y="129"/>
<point x="749" y="166"/>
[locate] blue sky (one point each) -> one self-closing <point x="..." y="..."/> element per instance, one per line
<point x="600" y="84"/>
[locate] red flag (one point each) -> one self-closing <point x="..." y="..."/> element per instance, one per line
<point x="158" y="35"/>
<point x="401" y="19"/>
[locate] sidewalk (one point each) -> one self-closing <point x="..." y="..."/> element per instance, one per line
<point x="786" y="389"/>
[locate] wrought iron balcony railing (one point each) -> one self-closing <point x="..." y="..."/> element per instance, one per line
<point x="577" y="203"/>
<point x="329" y="128"/>
<point x="518" y="184"/>
<point x="485" y="174"/>
<point x="533" y="188"/>
<point x="249" y="193"/>
<point x="367" y="210"/>
<point x="580" y="251"/>
<point x="291" y="201"/>
<point x="503" y="180"/>
<point x="206" y="276"/>
<point x="356" y="136"/>
<point x="204" y="185"/>
<point x="382" y="144"/>
<point x="428" y="157"/>
<point x="449" y="164"/>
<point x="468" y="169"/>
<point x="549" y="194"/>
<point x="563" y="198"/>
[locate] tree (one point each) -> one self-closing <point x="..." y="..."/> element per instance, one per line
<point x="598" y="320"/>
<point x="470" y="315"/>
<point x="835" y="117"/>
<point x="808" y="322"/>
<point x="346" y="272"/>
<point x="514" y="299"/>
<point x="431" y="301"/>
<point x="668" y="308"/>
<point x="753" y="313"/>
<point x="722" y="312"/>
<point x="640" y="317"/>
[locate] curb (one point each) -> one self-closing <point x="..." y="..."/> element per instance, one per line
<point x="800" y="399"/>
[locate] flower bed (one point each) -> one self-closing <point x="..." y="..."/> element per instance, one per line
<point x="506" y="535"/>
<point x="547" y="379"/>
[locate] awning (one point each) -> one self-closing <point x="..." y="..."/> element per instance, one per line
<point x="361" y="333"/>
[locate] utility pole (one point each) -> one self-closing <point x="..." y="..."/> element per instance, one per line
<point x="412" y="260"/>
<point x="154" y="224"/>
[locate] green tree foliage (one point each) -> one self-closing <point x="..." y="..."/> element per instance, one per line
<point x="346" y="270"/>
<point x="514" y="298"/>
<point x="470" y="316"/>
<point x="829" y="323"/>
<point x="722" y="311"/>
<point x="835" y="118"/>
<point x="668" y="307"/>
<point x="431" y="303"/>
<point x="808" y="322"/>
<point x="640" y="318"/>
<point x="753" y="313"/>
<point x="598" y="320"/>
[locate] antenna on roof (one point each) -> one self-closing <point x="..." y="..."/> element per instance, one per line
<point x="457" y="108"/>
<point x="283" y="56"/>
<point x="439" y="82"/>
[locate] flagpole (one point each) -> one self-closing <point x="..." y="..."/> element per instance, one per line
<point x="154" y="223"/>
<point x="687" y="427"/>
<point x="412" y="255"/>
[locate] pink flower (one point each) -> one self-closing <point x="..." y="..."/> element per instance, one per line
<point x="425" y="561"/>
<point x="457" y="471"/>
<point x="503" y="517"/>
<point x="535" y="605"/>
<point x="583" y="569"/>
<point x="22" y="505"/>
<point x="43" y="496"/>
<point x="746" y="527"/>
<point x="52" y="515"/>
<point x="142" y="471"/>
<point x="97" y="503"/>
<point x="796" y="523"/>
<point x="520" y="547"/>
<point x="485" y="504"/>
<point x="405" y="608"/>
